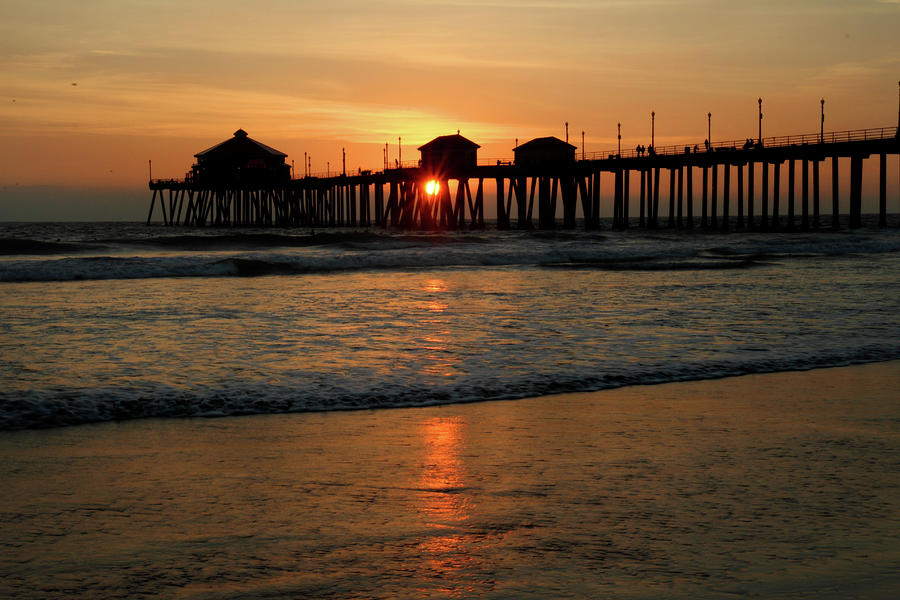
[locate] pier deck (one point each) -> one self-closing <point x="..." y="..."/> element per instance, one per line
<point x="727" y="173"/>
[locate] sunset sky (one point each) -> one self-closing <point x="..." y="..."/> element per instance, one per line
<point x="92" y="90"/>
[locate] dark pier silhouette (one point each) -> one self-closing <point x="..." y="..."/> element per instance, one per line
<point x="241" y="182"/>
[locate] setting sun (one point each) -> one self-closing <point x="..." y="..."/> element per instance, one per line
<point x="432" y="187"/>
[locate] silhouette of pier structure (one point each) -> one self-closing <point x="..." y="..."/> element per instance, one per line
<point x="242" y="182"/>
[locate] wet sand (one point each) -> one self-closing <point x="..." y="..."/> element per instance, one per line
<point x="765" y="486"/>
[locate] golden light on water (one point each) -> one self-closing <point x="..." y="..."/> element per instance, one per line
<point x="447" y="503"/>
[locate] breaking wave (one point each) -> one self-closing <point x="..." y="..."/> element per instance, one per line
<point x="250" y="255"/>
<point x="36" y="409"/>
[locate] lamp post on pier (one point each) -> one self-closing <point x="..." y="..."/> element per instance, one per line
<point x="653" y="129"/>
<point x="399" y="152"/>
<point x="760" y="121"/>
<point x="708" y="130"/>
<point x="619" y="154"/>
<point x="822" y="124"/>
<point x="582" y="145"/>
<point x="567" y="132"/>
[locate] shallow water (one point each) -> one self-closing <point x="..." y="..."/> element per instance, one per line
<point x="767" y="486"/>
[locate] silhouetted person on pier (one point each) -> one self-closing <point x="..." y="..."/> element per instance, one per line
<point x="748" y="144"/>
<point x="706" y="143"/>
<point x="651" y="151"/>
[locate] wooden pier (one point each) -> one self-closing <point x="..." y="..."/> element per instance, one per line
<point x="528" y="196"/>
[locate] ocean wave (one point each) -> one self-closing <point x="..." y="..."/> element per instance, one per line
<point x="39" y="409"/>
<point x="256" y="265"/>
<point x="249" y="255"/>
<point x="19" y="246"/>
<point x="225" y="241"/>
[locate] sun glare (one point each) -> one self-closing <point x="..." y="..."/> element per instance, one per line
<point x="432" y="187"/>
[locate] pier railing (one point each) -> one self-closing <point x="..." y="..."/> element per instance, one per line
<point x="783" y="141"/>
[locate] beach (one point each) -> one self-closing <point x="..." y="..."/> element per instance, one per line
<point x="763" y="486"/>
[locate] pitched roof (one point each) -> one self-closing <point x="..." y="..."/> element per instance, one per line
<point x="240" y="145"/>
<point x="544" y="143"/>
<point x="451" y="141"/>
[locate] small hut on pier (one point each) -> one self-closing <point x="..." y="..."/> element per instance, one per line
<point x="240" y="160"/>
<point x="449" y="156"/>
<point x="545" y="152"/>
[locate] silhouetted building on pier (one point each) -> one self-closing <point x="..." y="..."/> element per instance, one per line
<point x="240" y="160"/>
<point x="449" y="156"/>
<point x="545" y="152"/>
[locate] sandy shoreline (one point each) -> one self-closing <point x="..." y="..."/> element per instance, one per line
<point x="780" y="485"/>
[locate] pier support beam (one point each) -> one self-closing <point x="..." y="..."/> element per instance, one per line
<point x="704" y="201"/>
<point x="750" y="185"/>
<point x="569" y="199"/>
<point x="379" y="205"/>
<point x="502" y="217"/>
<point x="671" y="197"/>
<point x="522" y="221"/>
<point x="617" y="200"/>
<point x="776" y="195"/>
<point x="882" y="190"/>
<point x="656" y="197"/>
<point x="642" y="222"/>
<point x="152" y="204"/>
<point x="690" y="197"/>
<point x="791" y="185"/>
<point x="815" y="174"/>
<point x="740" y="196"/>
<point x="856" y="176"/>
<point x="764" y="217"/>
<point x="804" y="218"/>
<point x="726" y="196"/>
<point x="835" y="195"/>
<point x="582" y="183"/>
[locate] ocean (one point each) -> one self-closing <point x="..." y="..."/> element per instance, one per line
<point x="116" y="321"/>
<point x="261" y="414"/>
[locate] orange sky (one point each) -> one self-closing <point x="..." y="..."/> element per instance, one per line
<point x="163" y="80"/>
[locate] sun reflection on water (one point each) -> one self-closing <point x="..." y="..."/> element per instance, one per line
<point x="446" y="501"/>
<point x="443" y="473"/>
<point x="435" y="285"/>
<point x="436" y="341"/>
